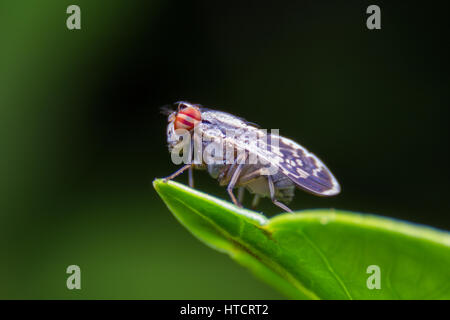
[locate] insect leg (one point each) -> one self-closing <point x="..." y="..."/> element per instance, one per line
<point x="191" y="168"/>
<point x="241" y="193"/>
<point x="247" y="178"/>
<point x="233" y="181"/>
<point x="191" y="177"/>
<point x="250" y="176"/>
<point x="255" y="201"/>
<point x="178" y="172"/>
<point x="272" y="195"/>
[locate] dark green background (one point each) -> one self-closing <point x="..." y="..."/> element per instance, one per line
<point x="82" y="138"/>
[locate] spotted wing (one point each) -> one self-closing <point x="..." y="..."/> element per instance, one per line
<point x="287" y="156"/>
<point x="306" y="170"/>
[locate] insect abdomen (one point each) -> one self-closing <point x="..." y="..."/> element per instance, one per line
<point x="284" y="188"/>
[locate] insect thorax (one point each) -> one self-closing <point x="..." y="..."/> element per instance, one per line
<point x="226" y="158"/>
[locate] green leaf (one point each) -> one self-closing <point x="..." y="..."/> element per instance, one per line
<point x="320" y="254"/>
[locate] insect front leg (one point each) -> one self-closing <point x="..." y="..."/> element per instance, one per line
<point x="272" y="195"/>
<point x="178" y="172"/>
<point x="191" y="168"/>
<point x="184" y="168"/>
<point x="191" y="176"/>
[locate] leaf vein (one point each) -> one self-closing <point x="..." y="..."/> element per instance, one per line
<point x="328" y="264"/>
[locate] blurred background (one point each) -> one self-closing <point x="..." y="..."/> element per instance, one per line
<point x="82" y="138"/>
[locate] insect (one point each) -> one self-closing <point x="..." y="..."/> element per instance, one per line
<point x="294" y="165"/>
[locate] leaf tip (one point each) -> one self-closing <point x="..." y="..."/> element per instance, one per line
<point x="157" y="184"/>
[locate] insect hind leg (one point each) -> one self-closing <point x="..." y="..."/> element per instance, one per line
<point x="272" y="195"/>
<point x="281" y="205"/>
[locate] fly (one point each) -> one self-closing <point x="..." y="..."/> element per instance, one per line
<point x="281" y="166"/>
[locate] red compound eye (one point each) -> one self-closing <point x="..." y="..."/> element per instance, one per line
<point x="187" y="118"/>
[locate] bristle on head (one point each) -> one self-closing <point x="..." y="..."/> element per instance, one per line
<point x="166" y="110"/>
